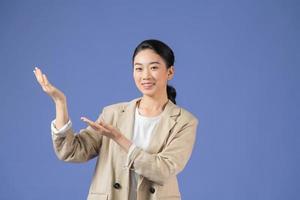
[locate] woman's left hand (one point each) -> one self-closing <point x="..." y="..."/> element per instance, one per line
<point x="103" y="128"/>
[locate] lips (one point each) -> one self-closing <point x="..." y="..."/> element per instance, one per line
<point x="147" y="85"/>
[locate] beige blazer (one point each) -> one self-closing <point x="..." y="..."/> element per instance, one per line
<point x="168" y="152"/>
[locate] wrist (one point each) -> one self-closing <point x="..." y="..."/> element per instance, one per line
<point x="60" y="101"/>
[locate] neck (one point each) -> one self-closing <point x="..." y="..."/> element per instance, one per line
<point x="153" y="103"/>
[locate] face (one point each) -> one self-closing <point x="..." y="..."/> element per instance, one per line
<point x="151" y="74"/>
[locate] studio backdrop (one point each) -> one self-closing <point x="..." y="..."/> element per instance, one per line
<point x="236" y="69"/>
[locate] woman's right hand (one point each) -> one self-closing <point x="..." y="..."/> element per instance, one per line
<point x="53" y="92"/>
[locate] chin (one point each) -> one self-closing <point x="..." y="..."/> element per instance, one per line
<point x="147" y="92"/>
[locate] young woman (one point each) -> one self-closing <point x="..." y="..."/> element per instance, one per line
<point x="141" y="144"/>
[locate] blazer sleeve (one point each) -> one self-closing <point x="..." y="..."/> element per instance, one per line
<point x="78" y="147"/>
<point x="171" y="160"/>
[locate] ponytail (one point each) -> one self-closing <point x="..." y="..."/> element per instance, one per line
<point x="171" y="91"/>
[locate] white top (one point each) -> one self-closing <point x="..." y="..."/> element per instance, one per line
<point x="143" y="128"/>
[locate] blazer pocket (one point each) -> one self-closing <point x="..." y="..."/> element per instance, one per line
<point x="97" y="196"/>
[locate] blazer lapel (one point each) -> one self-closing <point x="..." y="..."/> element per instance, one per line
<point x="162" y="130"/>
<point x="125" y="123"/>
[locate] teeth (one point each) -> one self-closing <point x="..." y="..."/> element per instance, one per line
<point x="148" y="84"/>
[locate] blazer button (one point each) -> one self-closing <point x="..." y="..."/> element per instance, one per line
<point x="152" y="190"/>
<point x="117" y="186"/>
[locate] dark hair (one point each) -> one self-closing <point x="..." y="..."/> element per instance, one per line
<point x="166" y="53"/>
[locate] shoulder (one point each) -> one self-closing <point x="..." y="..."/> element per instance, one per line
<point x="112" y="112"/>
<point x="119" y="106"/>
<point x="187" y="116"/>
<point x="116" y="106"/>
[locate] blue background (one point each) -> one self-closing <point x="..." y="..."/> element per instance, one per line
<point x="237" y="69"/>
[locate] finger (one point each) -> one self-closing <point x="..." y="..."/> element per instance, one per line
<point x="105" y="129"/>
<point x="86" y="119"/>
<point x="39" y="80"/>
<point x="97" y="128"/>
<point x="101" y="123"/>
<point x="94" y="125"/>
<point x="46" y="80"/>
<point x="35" y="73"/>
<point x="39" y="75"/>
<point x="90" y="122"/>
<point x="107" y="126"/>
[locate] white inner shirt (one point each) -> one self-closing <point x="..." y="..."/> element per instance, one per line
<point x="143" y="129"/>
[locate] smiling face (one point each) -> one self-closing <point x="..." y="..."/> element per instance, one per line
<point x="151" y="74"/>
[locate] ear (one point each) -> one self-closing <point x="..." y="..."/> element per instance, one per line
<point x="171" y="71"/>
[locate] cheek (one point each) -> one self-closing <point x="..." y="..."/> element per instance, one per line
<point x="161" y="77"/>
<point x="136" y="77"/>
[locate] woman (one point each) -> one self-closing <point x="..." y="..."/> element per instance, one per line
<point x="142" y="144"/>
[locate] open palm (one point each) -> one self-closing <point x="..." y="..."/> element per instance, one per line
<point x="52" y="91"/>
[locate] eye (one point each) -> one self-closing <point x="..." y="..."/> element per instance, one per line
<point x="154" y="67"/>
<point x="138" y="69"/>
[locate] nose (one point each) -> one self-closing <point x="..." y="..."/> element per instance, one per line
<point x="146" y="74"/>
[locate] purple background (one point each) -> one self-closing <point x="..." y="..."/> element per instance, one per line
<point x="237" y="69"/>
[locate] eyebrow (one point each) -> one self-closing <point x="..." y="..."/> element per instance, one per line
<point x="155" y="62"/>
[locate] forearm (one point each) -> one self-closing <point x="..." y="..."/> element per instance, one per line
<point x="77" y="146"/>
<point x="62" y="116"/>
<point x="159" y="167"/>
